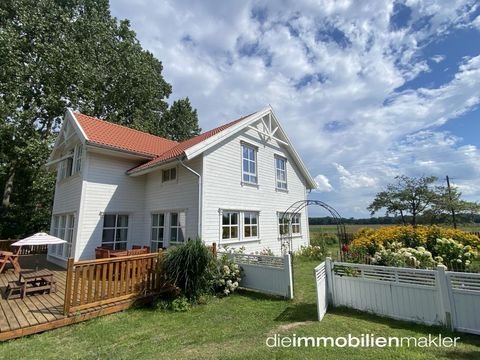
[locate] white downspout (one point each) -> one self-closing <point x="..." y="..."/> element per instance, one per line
<point x="200" y="205"/>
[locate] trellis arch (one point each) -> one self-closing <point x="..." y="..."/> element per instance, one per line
<point x="296" y="208"/>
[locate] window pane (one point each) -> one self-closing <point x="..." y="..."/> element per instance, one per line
<point x="165" y="175"/>
<point x="225" y="218"/>
<point x="108" y="235"/>
<point x="173" y="235"/>
<point x="109" y="220"/>
<point x="226" y="233"/>
<point x="121" y="235"/>
<point x="122" y="221"/>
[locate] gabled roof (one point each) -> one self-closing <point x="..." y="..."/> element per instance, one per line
<point x="107" y="134"/>
<point x="179" y="150"/>
<point x="158" y="150"/>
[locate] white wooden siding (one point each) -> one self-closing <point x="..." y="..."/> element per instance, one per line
<point x="222" y="189"/>
<point x="107" y="189"/>
<point x="180" y="195"/>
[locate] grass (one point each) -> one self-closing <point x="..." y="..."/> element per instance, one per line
<point x="231" y="328"/>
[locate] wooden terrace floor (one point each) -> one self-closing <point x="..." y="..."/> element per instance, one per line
<point x="41" y="312"/>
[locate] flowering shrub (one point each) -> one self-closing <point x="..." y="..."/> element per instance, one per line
<point x="374" y="240"/>
<point x="314" y="252"/>
<point x="396" y="255"/>
<point x="453" y="254"/>
<point x="226" y="276"/>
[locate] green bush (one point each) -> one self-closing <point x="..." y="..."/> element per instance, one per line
<point x="186" y="266"/>
<point x="180" y="304"/>
<point x="322" y="239"/>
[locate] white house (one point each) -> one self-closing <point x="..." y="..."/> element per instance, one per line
<point x="117" y="187"/>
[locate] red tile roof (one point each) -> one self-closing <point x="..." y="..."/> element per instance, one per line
<point x="180" y="149"/>
<point x="115" y="136"/>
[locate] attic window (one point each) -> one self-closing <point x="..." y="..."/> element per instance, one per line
<point x="169" y="174"/>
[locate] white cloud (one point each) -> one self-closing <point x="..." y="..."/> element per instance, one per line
<point x="438" y="58"/>
<point x="337" y="99"/>
<point x="323" y="184"/>
<point x="354" y="180"/>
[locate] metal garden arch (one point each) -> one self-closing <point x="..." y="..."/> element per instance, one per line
<point x="295" y="209"/>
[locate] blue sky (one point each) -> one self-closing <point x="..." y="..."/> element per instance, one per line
<point x="366" y="90"/>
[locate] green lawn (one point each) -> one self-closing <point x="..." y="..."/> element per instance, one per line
<point x="230" y="328"/>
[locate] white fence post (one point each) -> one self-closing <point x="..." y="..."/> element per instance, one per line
<point x="444" y="293"/>
<point x="330" y="287"/>
<point x="289" y="270"/>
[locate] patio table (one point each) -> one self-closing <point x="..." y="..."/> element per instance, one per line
<point x="34" y="281"/>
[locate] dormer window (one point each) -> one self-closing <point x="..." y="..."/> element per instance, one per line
<point x="72" y="163"/>
<point x="169" y="174"/>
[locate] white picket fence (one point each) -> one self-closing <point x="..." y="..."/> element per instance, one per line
<point x="266" y="274"/>
<point x="433" y="297"/>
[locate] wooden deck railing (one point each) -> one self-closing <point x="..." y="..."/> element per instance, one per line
<point x="92" y="283"/>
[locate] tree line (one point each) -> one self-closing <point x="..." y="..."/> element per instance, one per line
<point x="56" y="54"/>
<point x="416" y="200"/>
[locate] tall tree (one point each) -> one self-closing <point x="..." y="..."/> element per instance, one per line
<point x="181" y="121"/>
<point x="407" y="196"/>
<point x="67" y="53"/>
<point x="417" y="196"/>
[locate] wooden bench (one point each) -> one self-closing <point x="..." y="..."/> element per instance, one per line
<point x="13" y="289"/>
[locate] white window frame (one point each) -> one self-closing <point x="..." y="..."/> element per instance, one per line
<point x="295" y="224"/>
<point x="154" y="243"/>
<point x="77" y="161"/>
<point x="115" y="229"/>
<point x="246" y="172"/>
<point x="72" y="164"/>
<point x="169" y="172"/>
<point x="69" y="233"/>
<point x="229" y="225"/>
<point x="178" y="228"/>
<point x="281" y="184"/>
<point x="63" y="226"/>
<point x="248" y="214"/>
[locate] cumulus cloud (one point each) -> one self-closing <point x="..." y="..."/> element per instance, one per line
<point x="354" y="180"/>
<point x="323" y="184"/>
<point x="335" y="73"/>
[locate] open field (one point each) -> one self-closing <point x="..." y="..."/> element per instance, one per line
<point x="231" y="328"/>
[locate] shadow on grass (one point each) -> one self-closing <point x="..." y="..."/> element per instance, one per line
<point x="298" y="313"/>
<point x="406" y="325"/>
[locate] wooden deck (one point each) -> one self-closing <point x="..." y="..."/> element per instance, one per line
<point x="38" y="313"/>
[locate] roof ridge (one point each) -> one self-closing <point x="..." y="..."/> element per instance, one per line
<point x="124" y="127"/>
